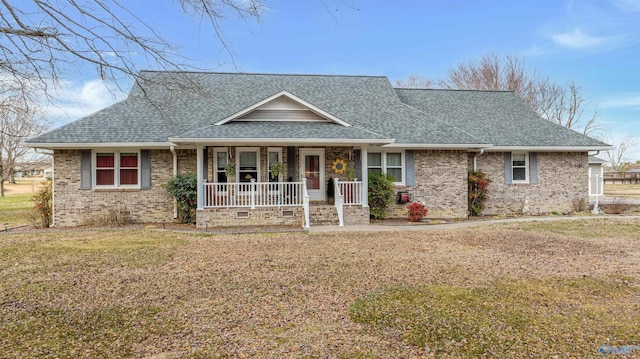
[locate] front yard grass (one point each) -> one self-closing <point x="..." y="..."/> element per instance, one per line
<point x="622" y="190"/>
<point x="15" y="209"/>
<point x="527" y="290"/>
<point x="16" y="206"/>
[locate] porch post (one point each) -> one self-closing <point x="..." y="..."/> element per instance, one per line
<point x="200" y="176"/>
<point x="365" y="177"/>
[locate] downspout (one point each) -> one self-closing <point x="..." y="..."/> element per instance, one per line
<point x="175" y="173"/>
<point x="475" y="157"/>
<point x="595" y="154"/>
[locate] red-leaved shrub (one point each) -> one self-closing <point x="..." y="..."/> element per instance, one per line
<point x="416" y="211"/>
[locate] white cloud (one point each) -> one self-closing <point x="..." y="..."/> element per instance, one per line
<point x="628" y="100"/>
<point x="579" y="40"/>
<point x="534" y="50"/>
<point x="75" y="100"/>
<point x="628" y="5"/>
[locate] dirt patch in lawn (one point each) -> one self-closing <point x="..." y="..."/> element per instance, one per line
<point x="150" y="293"/>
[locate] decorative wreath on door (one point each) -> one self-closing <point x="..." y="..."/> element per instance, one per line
<point x="339" y="166"/>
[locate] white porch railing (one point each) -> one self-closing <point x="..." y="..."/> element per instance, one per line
<point x="339" y="203"/>
<point x="257" y="194"/>
<point x="253" y="194"/>
<point x="305" y="203"/>
<point x="352" y="191"/>
<point x="347" y="193"/>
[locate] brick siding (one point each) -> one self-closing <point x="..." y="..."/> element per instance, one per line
<point x="74" y="206"/>
<point x="440" y="183"/>
<point x="562" y="177"/>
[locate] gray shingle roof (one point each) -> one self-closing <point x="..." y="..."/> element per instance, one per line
<point x="498" y="117"/>
<point x="289" y="130"/>
<point x="186" y="105"/>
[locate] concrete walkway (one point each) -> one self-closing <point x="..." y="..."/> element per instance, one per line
<point x="455" y="225"/>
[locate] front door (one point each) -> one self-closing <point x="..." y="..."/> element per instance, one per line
<point x="312" y="166"/>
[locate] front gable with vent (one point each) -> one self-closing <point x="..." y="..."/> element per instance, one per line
<point x="283" y="107"/>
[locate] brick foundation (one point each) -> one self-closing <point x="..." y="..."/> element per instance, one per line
<point x="249" y="217"/>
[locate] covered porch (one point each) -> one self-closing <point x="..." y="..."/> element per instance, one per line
<point x="281" y="185"/>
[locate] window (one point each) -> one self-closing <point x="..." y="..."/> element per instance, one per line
<point x="374" y="163"/>
<point x="105" y="169"/>
<point x="248" y="164"/>
<point x="273" y="155"/>
<point x="391" y="163"/>
<point x="221" y="157"/>
<point x="520" y="167"/>
<point x="117" y="169"/>
<point x="394" y="165"/>
<point x="128" y="168"/>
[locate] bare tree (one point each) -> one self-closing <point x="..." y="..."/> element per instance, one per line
<point x="620" y="157"/>
<point x="17" y="122"/>
<point x="415" y="82"/>
<point x="565" y="106"/>
<point x="562" y="105"/>
<point x="41" y="39"/>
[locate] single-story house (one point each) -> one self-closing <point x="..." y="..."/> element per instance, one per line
<point x="31" y="169"/>
<point x="229" y="128"/>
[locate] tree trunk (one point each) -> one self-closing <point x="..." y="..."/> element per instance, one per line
<point x="1" y="178"/>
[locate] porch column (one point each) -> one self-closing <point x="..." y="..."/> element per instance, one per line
<point x="365" y="176"/>
<point x="200" y="176"/>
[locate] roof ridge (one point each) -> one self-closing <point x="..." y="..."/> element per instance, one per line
<point x="259" y="73"/>
<point x="453" y="90"/>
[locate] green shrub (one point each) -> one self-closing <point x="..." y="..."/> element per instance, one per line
<point x="43" y="204"/>
<point x="183" y="188"/>
<point x="380" y="194"/>
<point x="478" y="191"/>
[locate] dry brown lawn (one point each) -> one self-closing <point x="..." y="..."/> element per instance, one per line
<point x="622" y="190"/>
<point x="23" y="186"/>
<point x="167" y="295"/>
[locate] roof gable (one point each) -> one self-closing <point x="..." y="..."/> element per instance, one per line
<point x="285" y="107"/>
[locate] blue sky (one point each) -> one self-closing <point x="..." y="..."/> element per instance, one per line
<point x="595" y="43"/>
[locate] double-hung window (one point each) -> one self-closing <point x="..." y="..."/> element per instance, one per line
<point x="117" y="169"/>
<point x="391" y="163"/>
<point x="520" y="167"/>
<point x="248" y="164"/>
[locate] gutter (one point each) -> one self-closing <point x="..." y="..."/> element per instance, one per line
<point x="281" y="141"/>
<point x="175" y="173"/>
<point x="41" y="152"/>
